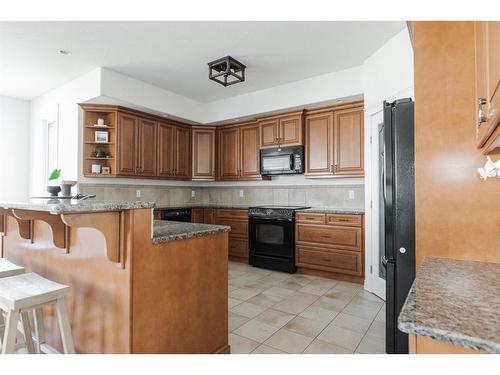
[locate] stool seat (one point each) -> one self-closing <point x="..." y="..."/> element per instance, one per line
<point x="9" y="269"/>
<point x="28" y="290"/>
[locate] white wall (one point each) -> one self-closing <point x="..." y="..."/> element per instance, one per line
<point x="389" y="70"/>
<point x="14" y="151"/>
<point x="61" y="105"/>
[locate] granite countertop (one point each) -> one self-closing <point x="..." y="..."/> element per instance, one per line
<point x="63" y="206"/>
<point x="333" y="210"/>
<point x="166" y="231"/>
<point x="202" y="205"/>
<point x="455" y="301"/>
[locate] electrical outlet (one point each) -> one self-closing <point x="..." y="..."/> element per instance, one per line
<point x="351" y="194"/>
<point x="193" y="193"/>
<point x="137" y="193"/>
<point x="242" y="193"/>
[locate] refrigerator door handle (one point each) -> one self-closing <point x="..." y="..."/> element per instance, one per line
<point x="384" y="261"/>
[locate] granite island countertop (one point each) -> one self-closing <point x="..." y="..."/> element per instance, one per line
<point x="166" y="231"/>
<point x="64" y="206"/>
<point x="455" y="301"/>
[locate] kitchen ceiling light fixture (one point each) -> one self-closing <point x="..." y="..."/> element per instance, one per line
<point x="226" y="71"/>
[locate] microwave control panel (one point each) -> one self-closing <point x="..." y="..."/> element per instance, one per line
<point x="297" y="163"/>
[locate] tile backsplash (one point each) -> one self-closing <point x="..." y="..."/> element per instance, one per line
<point x="315" y="196"/>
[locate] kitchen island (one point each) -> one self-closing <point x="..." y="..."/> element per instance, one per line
<point x="453" y="307"/>
<point x="138" y="286"/>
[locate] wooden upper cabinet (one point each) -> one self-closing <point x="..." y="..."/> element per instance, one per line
<point x="250" y="152"/>
<point x="348" y="142"/>
<point x="147" y="148"/>
<point x="127" y="144"/>
<point x="319" y="144"/>
<point x="182" y="153"/>
<point x="165" y="150"/>
<point x="269" y="133"/>
<point x="487" y="35"/>
<point x="291" y="130"/>
<point x="284" y="130"/>
<point x="203" y="142"/>
<point x="229" y="153"/>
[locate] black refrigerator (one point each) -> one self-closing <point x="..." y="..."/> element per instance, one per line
<point x="397" y="175"/>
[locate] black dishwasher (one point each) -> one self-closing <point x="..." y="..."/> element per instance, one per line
<point x="176" y="214"/>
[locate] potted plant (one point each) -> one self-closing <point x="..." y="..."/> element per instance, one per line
<point x="54" y="189"/>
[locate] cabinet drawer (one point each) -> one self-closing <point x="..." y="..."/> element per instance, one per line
<point x="348" y="238"/>
<point x="310" y="218"/>
<point x="344" y="220"/>
<point x="232" y="213"/>
<point x="340" y="261"/>
<point x="238" y="247"/>
<point x="238" y="227"/>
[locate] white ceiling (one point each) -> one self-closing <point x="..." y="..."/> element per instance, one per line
<point x="174" y="55"/>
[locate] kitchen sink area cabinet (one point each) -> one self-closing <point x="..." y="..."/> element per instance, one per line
<point x="237" y="219"/>
<point x="334" y="141"/>
<point x="330" y="245"/>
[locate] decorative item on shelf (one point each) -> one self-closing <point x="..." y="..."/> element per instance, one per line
<point x="106" y="170"/>
<point x="54" y="189"/>
<point x="66" y="186"/>
<point x="100" y="123"/>
<point x="490" y="169"/>
<point x="98" y="153"/>
<point x="101" y="137"/>
<point x="226" y="71"/>
<point x="96" y="168"/>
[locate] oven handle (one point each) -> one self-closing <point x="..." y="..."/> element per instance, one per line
<point x="268" y="218"/>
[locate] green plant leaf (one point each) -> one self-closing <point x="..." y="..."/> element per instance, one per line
<point x="56" y="173"/>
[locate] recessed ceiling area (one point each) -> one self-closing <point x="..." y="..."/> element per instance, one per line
<point x="174" y="55"/>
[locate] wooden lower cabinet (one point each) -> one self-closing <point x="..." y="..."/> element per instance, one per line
<point x="237" y="219"/>
<point x="330" y="245"/>
<point x="197" y="215"/>
<point x="424" y="345"/>
<point x="209" y="215"/>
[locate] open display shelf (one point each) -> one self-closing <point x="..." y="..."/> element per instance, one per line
<point x="90" y="146"/>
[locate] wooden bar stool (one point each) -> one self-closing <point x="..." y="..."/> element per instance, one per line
<point x="22" y="293"/>
<point x="8" y="269"/>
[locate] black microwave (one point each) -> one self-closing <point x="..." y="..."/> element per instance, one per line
<point x="282" y="160"/>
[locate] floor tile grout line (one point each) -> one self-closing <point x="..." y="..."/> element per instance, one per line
<point x="381" y="307"/>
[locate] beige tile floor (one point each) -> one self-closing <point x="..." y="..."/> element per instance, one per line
<point x="277" y="313"/>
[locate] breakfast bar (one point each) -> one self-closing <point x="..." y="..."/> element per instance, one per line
<point x="137" y="285"/>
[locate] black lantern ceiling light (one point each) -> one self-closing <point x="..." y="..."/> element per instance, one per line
<point x="226" y="71"/>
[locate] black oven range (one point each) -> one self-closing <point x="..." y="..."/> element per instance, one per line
<point x="271" y="237"/>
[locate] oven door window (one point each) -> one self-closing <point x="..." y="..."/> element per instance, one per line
<point x="277" y="163"/>
<point x="270" y="234"/>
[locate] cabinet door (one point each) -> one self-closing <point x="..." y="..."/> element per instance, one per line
<point x="203" y="154"/>
<point x="291" y="130"/>
<point x="494" y="67"/>
<point x="182" y="156"/>
<point x="250" y="152"/>
<point x="165" y="150"/>
<point x="127" y="144"/>
<point x="197" y="215"/>
<point x="348" y="142"/>
<point x="209" y="215"/>
<point x="147" y="148"/>
<point x="481" y="30"/>
<point x="229" y="154"/>
<point x="269" y="133"/>
<point x="319" y="144"/>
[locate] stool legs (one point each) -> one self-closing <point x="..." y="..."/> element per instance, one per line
<point x="9" y="338"/>
<point x="39" y="331"/>
<point x="64" y="326"/>
<point x="28" y="338"/>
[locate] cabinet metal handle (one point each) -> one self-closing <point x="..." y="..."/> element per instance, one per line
<point x="480" y="114"/>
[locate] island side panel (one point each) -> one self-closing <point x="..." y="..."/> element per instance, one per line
<point x="179" y="293"/>
<point x="99" y="303"/>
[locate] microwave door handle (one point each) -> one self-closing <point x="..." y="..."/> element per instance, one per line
<point x="291" y="162"/>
